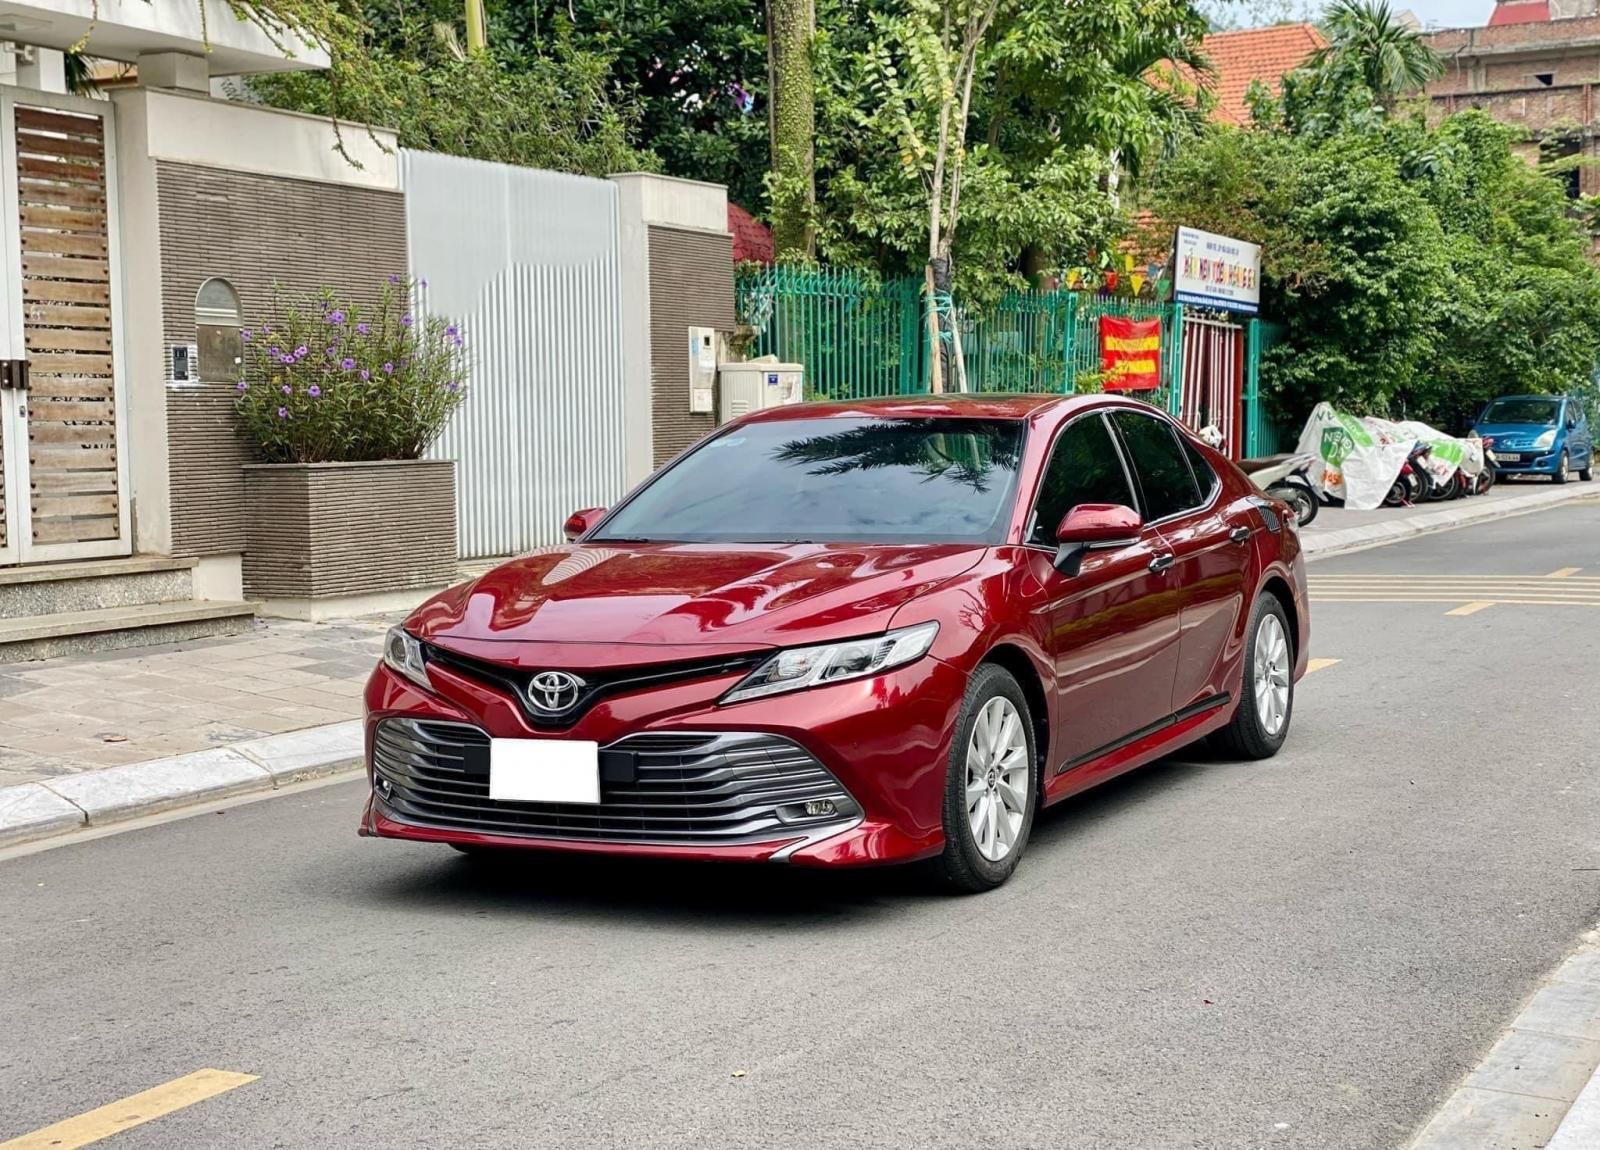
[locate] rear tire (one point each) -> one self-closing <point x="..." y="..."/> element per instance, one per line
<point x="993" y="771"/>
<point x="1260" y="723"/>
<point x="1587" y="473"/>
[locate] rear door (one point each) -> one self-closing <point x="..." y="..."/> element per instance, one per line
<point x="1209" y="539"/>
<point x="1112" y="625"/>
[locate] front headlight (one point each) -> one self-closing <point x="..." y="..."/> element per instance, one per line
<point x="402" y="653"/>
<point x="1548" y="439"/>
<point x="801" y="667"/>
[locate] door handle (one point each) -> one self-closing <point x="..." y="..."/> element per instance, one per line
<point x="1161" y="562"/>
<point x="1239" y="534"/>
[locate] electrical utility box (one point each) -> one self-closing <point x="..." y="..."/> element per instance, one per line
<point x="752" y="386"/>
<point x="703" y="370"/>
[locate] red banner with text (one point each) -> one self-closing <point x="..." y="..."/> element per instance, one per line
<point x="1130" y="353"/>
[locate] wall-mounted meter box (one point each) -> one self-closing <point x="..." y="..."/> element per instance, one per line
<point x="703" y="370"/>
<point x="752" y="386"/>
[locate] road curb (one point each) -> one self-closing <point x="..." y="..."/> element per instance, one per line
<point x="1540" y="1083"/>
<point x="33" y="811"/>
<point x="1467" y="514"/>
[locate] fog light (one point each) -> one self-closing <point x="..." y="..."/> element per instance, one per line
<point x="818" y="808"/>
<point x="384" y="787"/>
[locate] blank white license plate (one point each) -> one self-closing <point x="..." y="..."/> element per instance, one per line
<point x="544" y="771"/>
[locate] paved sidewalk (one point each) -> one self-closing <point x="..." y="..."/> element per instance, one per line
<point x="65" y="716"/>
<point x="1337" y="529"/>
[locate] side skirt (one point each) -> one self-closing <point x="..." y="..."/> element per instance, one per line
<point x="1179" y="729"/>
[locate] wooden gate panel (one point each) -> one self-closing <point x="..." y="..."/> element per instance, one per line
<point x="66" y="295"/>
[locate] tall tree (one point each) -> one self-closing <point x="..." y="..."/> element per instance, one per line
<point x="1367" y="38"/>
<point x="791" y="28"/>
<point x="1057" y="90"/>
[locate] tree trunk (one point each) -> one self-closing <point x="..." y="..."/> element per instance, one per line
<point x="477" y="26"/>
<point x="791" y="27"/>
<point x="935" y="367"/>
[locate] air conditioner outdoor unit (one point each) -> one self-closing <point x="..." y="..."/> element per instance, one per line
<point x="749" y="387"/>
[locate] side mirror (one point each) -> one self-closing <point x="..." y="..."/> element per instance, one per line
<point x="1572" y="424"/>
<point x="1089" y="526"/>
<point x="579" y="523"/>
<point x="1099" y="525"/>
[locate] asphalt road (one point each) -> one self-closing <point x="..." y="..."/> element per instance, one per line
<point x="1308" y="952"/>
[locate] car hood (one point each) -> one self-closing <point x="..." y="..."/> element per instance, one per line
<point x="699" y="596"/>
<point x="1514" y="431"/>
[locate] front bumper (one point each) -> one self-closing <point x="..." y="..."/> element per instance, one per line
<point x="681" y="776"/>
<point x="1528" y="463"/>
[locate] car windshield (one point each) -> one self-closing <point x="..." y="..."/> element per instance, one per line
<point x="1540" y="411"/>
<point x="855" y="480"/>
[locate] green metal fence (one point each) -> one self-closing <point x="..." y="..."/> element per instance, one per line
<point x="856" y="336"/>
<point x="859" y="337"/>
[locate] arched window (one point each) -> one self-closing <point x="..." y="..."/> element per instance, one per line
<point x="217" y="322"/>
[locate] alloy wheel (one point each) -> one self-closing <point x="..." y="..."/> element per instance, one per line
<point x="997" y="778"/>
<point x="1272" y="675"/>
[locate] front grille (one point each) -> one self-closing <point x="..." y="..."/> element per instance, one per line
<point x="597" y="685"/>
<point x="655" y="788"/>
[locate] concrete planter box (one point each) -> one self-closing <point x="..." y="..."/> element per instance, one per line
<point x="324" y="530"/>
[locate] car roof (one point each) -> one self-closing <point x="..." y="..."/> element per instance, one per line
<point x="997" y="406"/>
<point x="1498" y="398"/>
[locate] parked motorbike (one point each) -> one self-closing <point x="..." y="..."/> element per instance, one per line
<point x="1484" y="480"/>
<point x="1286" y="477"/>
<point x="1412" y="484"/>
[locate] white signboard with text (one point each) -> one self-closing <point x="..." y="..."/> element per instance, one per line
<point x="1209" y="270"/>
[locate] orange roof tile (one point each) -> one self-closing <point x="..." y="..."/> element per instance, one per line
<point x="1264" y="54"/>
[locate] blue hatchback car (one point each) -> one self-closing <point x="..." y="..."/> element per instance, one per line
<point x="1538" y="435"/>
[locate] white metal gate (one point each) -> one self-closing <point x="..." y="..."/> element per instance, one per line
<point x="63" y="458"/>
<point x="529" y="262"/>
<point x="1213" y="379"/>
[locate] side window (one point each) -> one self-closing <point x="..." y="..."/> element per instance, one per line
<point x="1203" y="474"/>
<point x="1160" y="463"/>
<point x="1084" y="468"/>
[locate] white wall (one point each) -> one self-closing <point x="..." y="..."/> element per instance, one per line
<point x="194" y="129"/>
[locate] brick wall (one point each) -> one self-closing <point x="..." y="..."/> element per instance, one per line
<point x="253" y="231"/>
<point x="691" y="285"/>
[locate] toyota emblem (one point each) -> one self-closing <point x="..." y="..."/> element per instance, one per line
<point x="553" y="692"/>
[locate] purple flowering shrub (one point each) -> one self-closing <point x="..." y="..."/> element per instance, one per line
<point x="329" y="381"/>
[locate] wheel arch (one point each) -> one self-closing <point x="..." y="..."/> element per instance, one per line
<point x="1020" y="665"/>
<point x="1278" y="587"/>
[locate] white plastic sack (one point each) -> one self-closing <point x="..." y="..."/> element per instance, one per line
<point x="1353" y="463"/>
<point x="1358" y="460"/>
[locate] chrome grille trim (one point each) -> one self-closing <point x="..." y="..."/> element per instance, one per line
<point x="688" y="788"/>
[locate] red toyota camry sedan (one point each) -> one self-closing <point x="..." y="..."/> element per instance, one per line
<point x="846" y="633"/>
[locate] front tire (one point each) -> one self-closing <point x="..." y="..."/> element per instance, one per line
<point x="1260" y="723"/>
<point x="992" y="784"/>
<point x="1563" y="469"/>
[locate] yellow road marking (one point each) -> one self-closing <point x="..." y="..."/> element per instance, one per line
<point x="1318" y="664"/>
<point x="1470" y="608"/>
<point x="130" y="1111"/>
<point x="1565" y="573"/>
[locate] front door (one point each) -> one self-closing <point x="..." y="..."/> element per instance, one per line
<point x="1113" y="622"/>
<point x="61" y="428"/>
